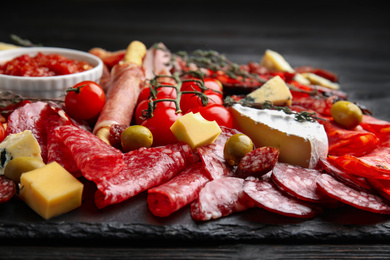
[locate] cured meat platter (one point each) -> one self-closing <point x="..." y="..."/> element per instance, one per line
<point x="132" y="220"/>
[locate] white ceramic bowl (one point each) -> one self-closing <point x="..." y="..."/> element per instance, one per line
<point x="48" y="87"/>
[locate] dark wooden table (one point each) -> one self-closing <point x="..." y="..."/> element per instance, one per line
<point x="351" y="39"/>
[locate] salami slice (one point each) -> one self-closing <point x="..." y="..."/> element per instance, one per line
<point x="7" y="189"/>
<point x="318" y="104"/>
<point x="353" y="197"/>
<point x="351" y="180"/>
<point x="220" y="198"/>
<point x="178" y="192"/>
<point x="120" y="176"/>
<point x="257" y="162"/>
<point x="266" y="195"/>
<point x="298" y="181"/>
<point x="145" y="168"/>
<point x="56" y="149"/>
<point x="96" y="159"/>
<point x="356" y="142"/>
<point x="380" y="128"/>
<point x="213" y="158"/>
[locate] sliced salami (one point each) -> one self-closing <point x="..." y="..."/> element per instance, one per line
<point x="380" y="128"/>
<point x="7" y="189"/>
<point x="298" y="181"/>
<point x="213" y="158"/>
<point x="266" y="195"/>
<point x="96" y="159"/>
<point x="257" y="162"/>
<point x="178" y="192"/>
<point x="351" y="180"/>
<point x="353" y="197"/>
<point x="318" y="104"/>
<point x="220" y="198"/>
<point x="145" y="168"/>
<point x="56" y="149"/>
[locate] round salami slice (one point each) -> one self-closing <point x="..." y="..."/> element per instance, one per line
<point x="354" y="181"/>
<point x="7" y="189"/>
<point x="213" y="158"/>
<point x="257" y="162"/>
<point x="220" y="198"/>
<point x="353" y="197"/>
<point x="298" y="181"/>
<point x="266" y="195"/>
<point x="178" y="192"/>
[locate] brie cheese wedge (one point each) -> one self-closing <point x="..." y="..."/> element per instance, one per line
<point x="299" y="143"/>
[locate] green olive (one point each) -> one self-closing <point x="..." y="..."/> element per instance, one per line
<point x="346" y="114"/>
<point x="19" y="165"/>
<point x="135" y="137"/>
<point x="236" y="147"/>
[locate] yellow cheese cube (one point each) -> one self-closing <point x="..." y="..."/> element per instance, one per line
<point x="274" y="90"/>
<point x="50" y="190"/>
<point x="194" y="130"/>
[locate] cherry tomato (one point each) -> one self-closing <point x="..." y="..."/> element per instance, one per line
<point x="2" y="132"/>
<point x="85" y="100"/>
<point x="190" y="86"/>
<point x="160" y="125"/>
<point x="143" y="105"/>
<point x="162" y="92"/>
<point x="213" y="84"/>
<point x="190" y="101"/>
<point x="216" y="112"/>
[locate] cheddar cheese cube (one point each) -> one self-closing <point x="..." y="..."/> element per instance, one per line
<point x="194" y="130"/>
<point x="51" y="190"/>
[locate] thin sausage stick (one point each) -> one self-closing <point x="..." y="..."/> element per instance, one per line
<point x="122" y="95"/>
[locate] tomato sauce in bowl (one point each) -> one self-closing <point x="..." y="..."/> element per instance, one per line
<point x="43" y="65"/>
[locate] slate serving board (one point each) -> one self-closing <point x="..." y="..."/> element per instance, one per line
<point x="350" y="40"/>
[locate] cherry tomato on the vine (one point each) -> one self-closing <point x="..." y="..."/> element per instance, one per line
<point x="213" y="84"/>
<point x="216" y="112"/>
<point x="2" y="132"/>
<point x="162" y="92"/>
<point x="160" y="125"/>
<point x="85" y="100"/>
<point x="190" y="100"/>
<point x="143" y="105"/>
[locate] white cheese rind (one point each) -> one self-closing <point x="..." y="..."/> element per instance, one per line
<point x="302" y="143"/>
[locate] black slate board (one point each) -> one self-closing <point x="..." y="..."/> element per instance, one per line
<point x="350" y="40"/>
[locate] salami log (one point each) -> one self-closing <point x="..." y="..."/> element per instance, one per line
<point x="122" y="95"/>
<point x="213" y="158"/>
<point x="257" y="162"/>
<point x="178" y="192"/>
<point x="299" y="182"/>
<point x="353" y="197"/>
<point x="7" y="189"/>
<point x="219" y="198"/>
<point x="267" y="195"/>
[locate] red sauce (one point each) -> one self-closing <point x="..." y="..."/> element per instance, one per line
<point x="43" y="65"/>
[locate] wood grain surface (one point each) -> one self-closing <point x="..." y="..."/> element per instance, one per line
<point x="351" y="39"/>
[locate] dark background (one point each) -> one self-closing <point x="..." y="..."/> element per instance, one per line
<point x="349" y="38"/>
